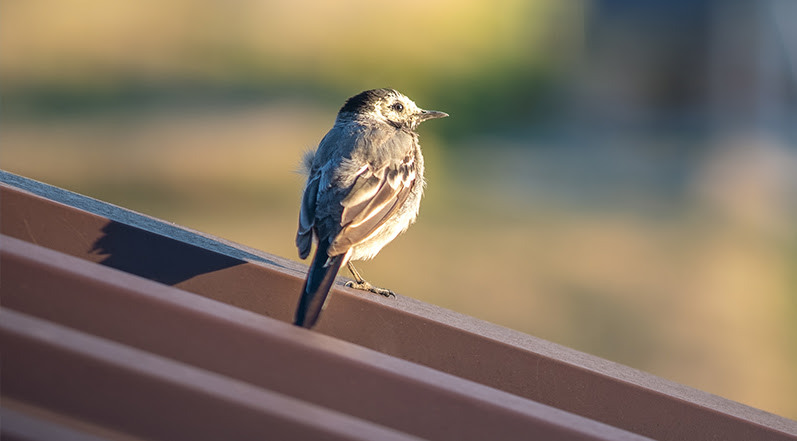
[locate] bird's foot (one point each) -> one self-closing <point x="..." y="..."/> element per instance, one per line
<point x="365" y="286"/>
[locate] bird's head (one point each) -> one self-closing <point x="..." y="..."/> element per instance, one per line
<point x="387" y="106"/>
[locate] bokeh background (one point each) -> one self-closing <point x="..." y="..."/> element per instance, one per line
<point x="617" y="176"/>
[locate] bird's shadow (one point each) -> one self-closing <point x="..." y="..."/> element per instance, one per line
<point x="158" y="257"/>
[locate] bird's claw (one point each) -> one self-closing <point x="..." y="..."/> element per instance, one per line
<point x="365" y="286"/>
<point x="386" y="292"/>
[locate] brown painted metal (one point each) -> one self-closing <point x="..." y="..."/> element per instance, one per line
<point x="21" y="421"/>
<point x="273" y="355"/>
<point x="405" y="328"/>
<point x="153" y="397"/>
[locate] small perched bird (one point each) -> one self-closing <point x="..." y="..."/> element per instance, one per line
<point x="364" y="187"/>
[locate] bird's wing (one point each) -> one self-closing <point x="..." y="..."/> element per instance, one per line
<point x="375" y="196"/>
<point x="304" y="236"/>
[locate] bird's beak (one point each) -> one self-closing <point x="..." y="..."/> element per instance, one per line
<point x="430" y="114"/>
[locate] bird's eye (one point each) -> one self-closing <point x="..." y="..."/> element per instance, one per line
<point x="398" y="107"/>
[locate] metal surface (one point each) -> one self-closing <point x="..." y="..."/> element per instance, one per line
<point x="402" y="328"/>
<point x="152" y="397"/>
<point x="30" y="423"/>
<point x="272" y="355"/>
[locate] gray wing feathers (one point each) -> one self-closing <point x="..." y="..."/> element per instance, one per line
<point x="371" y="181"/>
<point x="304" y="236"/>
<point x="373" y="199"/>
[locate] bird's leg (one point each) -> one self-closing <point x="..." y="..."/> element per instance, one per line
<point x="360" y="283"/>
<point x="355" y="273"/>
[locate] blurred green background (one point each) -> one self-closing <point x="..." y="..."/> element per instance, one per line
<point x="616" y="176"/>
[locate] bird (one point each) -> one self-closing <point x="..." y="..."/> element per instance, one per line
<point x="364" y="186"/>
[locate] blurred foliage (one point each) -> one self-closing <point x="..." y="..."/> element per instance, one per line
<point x="487" y="63"/>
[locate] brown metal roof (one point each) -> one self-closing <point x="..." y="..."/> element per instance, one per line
<point x="120" y="326"/>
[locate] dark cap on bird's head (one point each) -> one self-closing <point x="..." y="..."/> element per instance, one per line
<point x="389" y="106"/>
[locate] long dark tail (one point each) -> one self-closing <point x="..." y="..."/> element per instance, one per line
<point x="316" y="287"/>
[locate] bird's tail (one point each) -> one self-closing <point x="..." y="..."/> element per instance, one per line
<point x="320" y="277"/>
